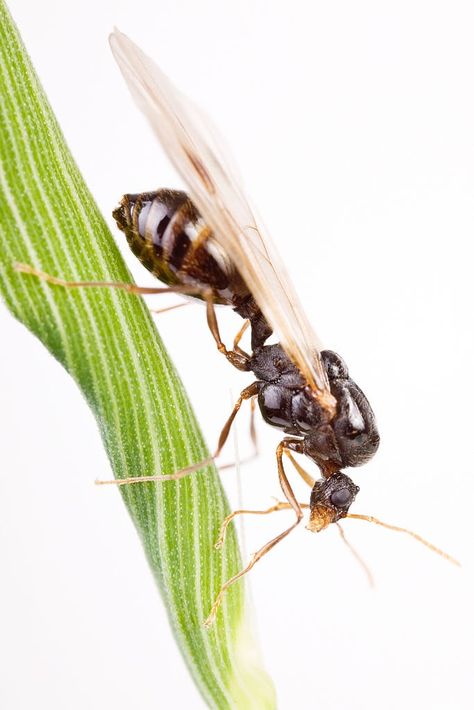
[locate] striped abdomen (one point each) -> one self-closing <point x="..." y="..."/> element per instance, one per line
<point x="167" y="233"/>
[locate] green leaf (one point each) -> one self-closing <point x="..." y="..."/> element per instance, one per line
<point x="108" y="343"/>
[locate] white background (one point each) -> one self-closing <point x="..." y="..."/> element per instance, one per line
<point x="353" y="126"/>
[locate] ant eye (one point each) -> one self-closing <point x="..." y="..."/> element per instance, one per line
<point x="341" y="497"/>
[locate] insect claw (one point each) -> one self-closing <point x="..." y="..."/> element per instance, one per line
<point x="210" y="620"/>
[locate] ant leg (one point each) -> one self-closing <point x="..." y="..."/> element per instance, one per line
<point x="160" y="478"/>
<point x="247" y="393"/>
<point x="120" y="285"/>
<point x="253" y="439"/>
<point x="291" y="498"/>
<point x="304" y="474"/>
<point x="279" y="505"/>
<point x="169" y="308"/>
<point x="253" y="429"/>
<point x="238" y="338"/>
<point x="237" y="358"/>
<point x="307" y="478"/>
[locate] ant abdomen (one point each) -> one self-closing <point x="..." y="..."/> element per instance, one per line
<point x="168" y="235"/>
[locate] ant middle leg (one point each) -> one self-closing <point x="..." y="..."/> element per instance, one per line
<point x="253" y="439"/>
<point x="247" y="393"/>
<point x="237" y="356"/>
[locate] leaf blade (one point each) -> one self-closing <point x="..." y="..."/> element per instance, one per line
<point x="107" y="341"/>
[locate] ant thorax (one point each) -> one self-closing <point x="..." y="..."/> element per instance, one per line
<point x="349" y="439"/>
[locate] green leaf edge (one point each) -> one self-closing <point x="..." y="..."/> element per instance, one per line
<point x="107" y="341"/>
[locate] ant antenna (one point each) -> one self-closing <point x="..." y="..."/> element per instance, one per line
<point x="429" y="545"/>
<point x="359" y="559"/>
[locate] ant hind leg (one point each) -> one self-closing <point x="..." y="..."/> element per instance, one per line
<point x="236" y="357"/>
<point x="120" y="285"/>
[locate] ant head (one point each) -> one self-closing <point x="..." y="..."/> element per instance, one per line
<point x="330" y="500"/>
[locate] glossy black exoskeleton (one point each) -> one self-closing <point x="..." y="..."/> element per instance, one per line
<point x="300" y="389"/>
<point x="349" y="439"/>
<point x="168" y="235"/>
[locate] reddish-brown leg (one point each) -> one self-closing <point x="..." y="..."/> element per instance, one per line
<point x="158" y="311"/>
<point x="247" y="393"/>
<point x="238" y="338"/>
<point x="307" y="478"/>
<point x="120" y="285"/>
<point x="290" y="496"/>
<point x="279" y="505"/>
<point x="253" y="439"/>
<point x="239" y="360"/>
<point x="274" y="508"/>
<point x="237" y="357"/>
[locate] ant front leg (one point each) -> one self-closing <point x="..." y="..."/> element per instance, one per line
<point x="293" y="504"/>
<point x="279" y="505"/>
<point x="307" y="478"/>
<point x="298" y="448"/>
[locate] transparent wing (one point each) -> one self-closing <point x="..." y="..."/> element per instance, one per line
<point x="198" y="154"/>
